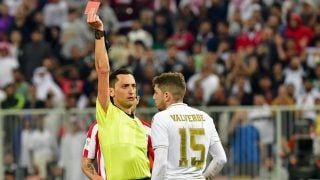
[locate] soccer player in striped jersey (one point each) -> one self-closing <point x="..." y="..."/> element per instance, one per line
<point x="182" y="136"/>
<point x="122" y="136"/>
<point x="91" y="152"/>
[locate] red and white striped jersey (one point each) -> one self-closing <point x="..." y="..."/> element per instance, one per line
<point x="92" y="149"/>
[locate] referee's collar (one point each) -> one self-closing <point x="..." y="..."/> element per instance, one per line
<point x="177" y="104"/>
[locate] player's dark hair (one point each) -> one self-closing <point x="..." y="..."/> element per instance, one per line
<point x="113" y="76"/>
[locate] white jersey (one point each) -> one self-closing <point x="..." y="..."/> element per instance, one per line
<point x="188" y="133"/>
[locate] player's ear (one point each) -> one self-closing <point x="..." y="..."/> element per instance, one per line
<point x="167" y="96"/>
<point x="111" y="92"/>
<point x="138" y="99"/>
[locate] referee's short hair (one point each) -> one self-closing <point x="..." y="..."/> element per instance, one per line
<point x="113" y="75"/>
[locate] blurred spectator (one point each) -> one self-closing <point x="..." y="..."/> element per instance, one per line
<point x="218" y="97"/>
<point x="71" y="149"/>
<point x="242" y="90"/>
<point x="195" y="5"/>
<point x="267" y="51"/>
<point x="195" y="97"/>
<point x="7" y="63"/>
<point x="20" y="83"/>
<point x="5" y="19"/>
<point x="32" y="101"/>
<point x="297" y="31"/>
<point x="162" y="29"/>
<point x="128" y="10"/>
<point x="274" y="22"/>
<point x="46" y="86"/>
<point x="235" y="22"/>
<point x="13" y="5"/>
<point x="261" y="118"/>
<point x="13" y="100"/>
<point x="16" y="43"/>
<point x="22" y="141"/>
<point x="251" y="35"/>
<point x="53" y="35"/>
<point x="306" y="100"/>
<point x="282" y="98"/>
<point x="277" y="78"/>
<point x="120" y="50"/>
<point x="167" y="5"/>
<point x="34" y="53"/>
<point x="265" y="88"/>
<point x="37" y="22"/>
<point x="245" y="145"/>
<point x="222" y="35"/>
<point x="74" y="32"/>
<point x="316" y="80"/>
<point x="22" y="23"/>
<point x="137" y="33"/>
<point x="55" y="13"/>
<point x="191" y="17"/>
<point x="189" y="68"/>
<point x="173" y="61"/>
<point x="43" y="146"/>
<point x="224" y="121"/>
<point x="198" y="53"/>
<point x="217" y="12"/>
<point x="205" y="33"/>
<point x="71" y="83"/>
<point x="146" y="20"/>
<point x="206" y="78"/>
<point x="182" y="37"/>
<point x="308" y="14"/>
<point x="108" y="17"/>
<point x="294" y="74"/>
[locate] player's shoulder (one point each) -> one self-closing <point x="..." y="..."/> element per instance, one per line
<point x="145" y="123"/>
<point x="93" y="129"/>
<point x="160" y="117"/>
<point x="201" y="112"/>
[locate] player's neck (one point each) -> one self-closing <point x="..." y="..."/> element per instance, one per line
<point x="173" y="103"/>
<point x="126" y="110"/>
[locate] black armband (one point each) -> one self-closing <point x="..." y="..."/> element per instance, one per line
<point x="99" y="34"/>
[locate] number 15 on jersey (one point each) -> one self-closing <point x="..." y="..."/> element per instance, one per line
<point x="193" y="133"/>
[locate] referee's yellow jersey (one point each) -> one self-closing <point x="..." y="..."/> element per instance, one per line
<point x="123" y="143"/>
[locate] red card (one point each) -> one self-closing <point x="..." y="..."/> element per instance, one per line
<point x="92" y="6"/>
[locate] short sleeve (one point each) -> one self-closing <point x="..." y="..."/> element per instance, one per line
<point x="159" y="132"/>
<point x="89" y="150"/>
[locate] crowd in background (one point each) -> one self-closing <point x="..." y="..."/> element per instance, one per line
<point x="231" y="52"/>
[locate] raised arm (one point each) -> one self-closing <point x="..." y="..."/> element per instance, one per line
<point x="101" y="60"/>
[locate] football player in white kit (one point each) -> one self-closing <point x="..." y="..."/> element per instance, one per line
<point x="182" y="136"/>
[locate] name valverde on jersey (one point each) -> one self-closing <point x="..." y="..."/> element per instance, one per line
<point x="188" y="134"/>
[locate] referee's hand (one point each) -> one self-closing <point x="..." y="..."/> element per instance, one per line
<point x="94" y="21"/>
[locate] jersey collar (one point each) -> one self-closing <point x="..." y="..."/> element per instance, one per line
<point x="177" y="104"/>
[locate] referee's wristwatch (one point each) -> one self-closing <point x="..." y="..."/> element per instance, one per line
<point x="98" y="34"/>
